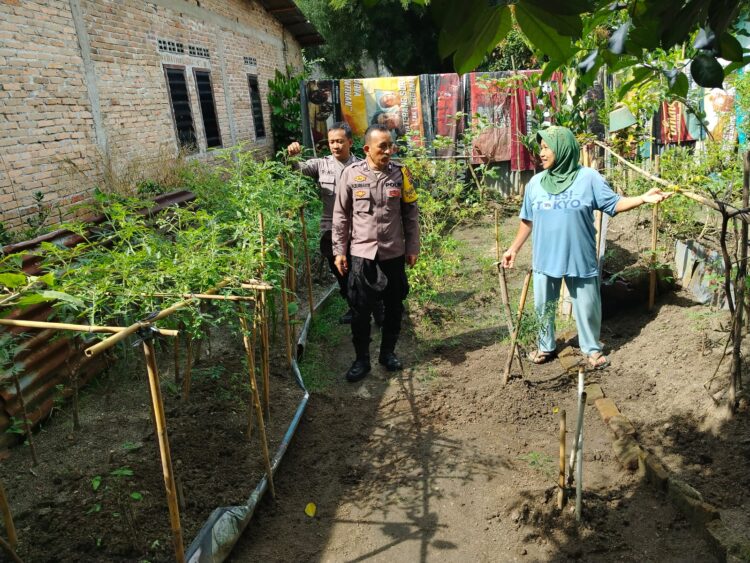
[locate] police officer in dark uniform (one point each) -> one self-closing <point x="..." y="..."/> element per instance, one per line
<point x="325" y="172"/>
<point x="376" y="221"/>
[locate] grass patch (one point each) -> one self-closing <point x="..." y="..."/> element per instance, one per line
<point x="324" y="343"/>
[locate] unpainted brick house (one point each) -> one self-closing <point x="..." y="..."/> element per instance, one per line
<point x="84" y="82"/>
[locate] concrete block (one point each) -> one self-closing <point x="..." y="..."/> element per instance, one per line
<point x="655" y="472"/>
<point x="690" y="502"/>
<point x="594" y="392"/>
<point x="628" y="452"/>
<point x="621" y="426"/>
<point x="607" y="408"/>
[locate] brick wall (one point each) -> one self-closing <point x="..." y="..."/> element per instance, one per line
<point x="83" y="89"/>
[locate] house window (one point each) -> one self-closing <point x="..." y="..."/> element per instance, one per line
<point x="260" y="129"/>
<point x="208" y="108"/>
<point x="178" y="96"/>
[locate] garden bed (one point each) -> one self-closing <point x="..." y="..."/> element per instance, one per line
<point x="442" y="462"/>
<point x="98" y="494"/>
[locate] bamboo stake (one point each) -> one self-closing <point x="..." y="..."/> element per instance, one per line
<point x="497" y="236"/>
<point x="9" y="550"/>
<point x="122" y="335"/>
<point x="735" y="382"/>
<point x="257" y="286"/>
<point x="579" y="424"/>
<point x="257" y="405"/>
<point x="265" y="349"/>
<point x="285" y="306"/>
<point x="308" y="268"/>
<point x="266" y="357"/>
<point x="250" y="355"/>
<point x="514" y="340"/>
<point x="187" y="378"/>
<point x="177" y="356"/>
<point x="579" y="466"/>
<point x="561" y="474"/>
<point x="744" y="216"/>
<point x="164" y="451"/>
<point x="10" y="527"/>
<point x="508" y="312"/>
<point x="652" y="273"/>
<point x="26" y="422"/>
<point x="74" y="327"/>
<point x="203" y="296"/>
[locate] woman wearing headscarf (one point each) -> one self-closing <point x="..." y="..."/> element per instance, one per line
<point x="558" y="212"/>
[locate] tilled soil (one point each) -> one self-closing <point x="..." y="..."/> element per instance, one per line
<point x="98" y="494"/>
<point x="442" y="462"/>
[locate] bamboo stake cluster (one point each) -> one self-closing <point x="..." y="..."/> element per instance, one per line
<point x="504" y="289"/>
<point x="514" y="339"/>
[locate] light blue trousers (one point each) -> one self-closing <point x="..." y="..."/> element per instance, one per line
<point x="587" y="308"/>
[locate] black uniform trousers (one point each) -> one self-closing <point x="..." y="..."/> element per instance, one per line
<point x="326" y="250"/>
<point x="369" y="282"/>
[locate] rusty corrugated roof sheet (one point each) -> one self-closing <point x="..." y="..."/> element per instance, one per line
<point x="47" y="354"/>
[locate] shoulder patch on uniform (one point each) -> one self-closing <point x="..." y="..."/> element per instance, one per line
<point x="360" y="178"/>
<point x="409" y="193"/>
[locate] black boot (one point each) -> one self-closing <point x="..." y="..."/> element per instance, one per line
<point x="387" y="355"/>
<point x="390" y="361"/>
<point x="360" y="368"/>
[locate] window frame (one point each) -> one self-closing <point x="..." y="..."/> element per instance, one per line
<point x="255" y="77"/>
<point x="213" y="102"/>
<point x="183" y="68"/>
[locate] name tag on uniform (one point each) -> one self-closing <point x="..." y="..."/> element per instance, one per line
<point x="393" y="192"/>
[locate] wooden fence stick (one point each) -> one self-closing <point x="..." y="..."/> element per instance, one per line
<point x="285" y="306"/>
<point x="74" y="327"/>
<point x="266" y="355"/>
<point x="258" y="407"/>
<point x="164" y="451"/>
<point x="177" y="355"/>
<point x="265" y="346"/>
<point x="5" y="546"/>
<point x="735" y="382"/>
<point x="26" y="421"/>
<point x="561" y="473"/>
<point x="497" y="236"/>
<point x="308" y="268"/>
<point x="514" y="340"/>
<point x="508" y="312"/>
<point x="10" y="527"/>
<point x="250" y="355"/>
<point x="652" y="273"/>
<point x="187" y="377"/>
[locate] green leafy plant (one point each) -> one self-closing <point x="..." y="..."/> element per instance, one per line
<point x="540" y="462"/>
<point x="286" y="111"/>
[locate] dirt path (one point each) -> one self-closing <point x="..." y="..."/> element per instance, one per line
<point x="443" y="463"/>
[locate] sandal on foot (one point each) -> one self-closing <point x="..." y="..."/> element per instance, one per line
<point x="541" y="357"/>
<point x="597" y="360"/>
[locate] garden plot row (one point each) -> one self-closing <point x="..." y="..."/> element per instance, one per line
<point x="226" y="260"/>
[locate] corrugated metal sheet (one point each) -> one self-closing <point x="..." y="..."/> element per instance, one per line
<point x="291" y="17"/>
<point x="47" y="354"/>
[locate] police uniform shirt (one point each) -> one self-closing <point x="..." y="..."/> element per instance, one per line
<point x="325" y="171"/>
<point x="375" y="213"/>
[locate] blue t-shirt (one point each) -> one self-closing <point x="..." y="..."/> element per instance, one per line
<point x="563" y="233"/>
